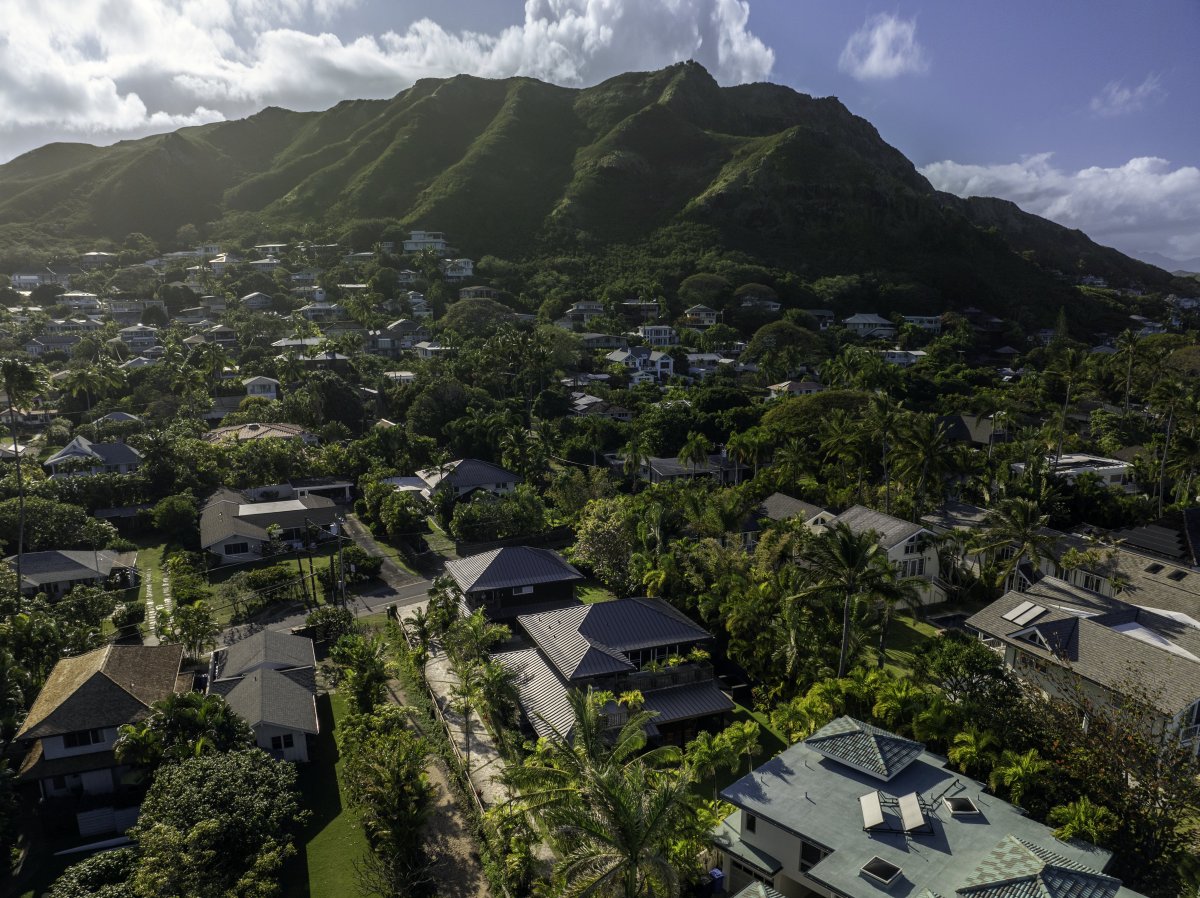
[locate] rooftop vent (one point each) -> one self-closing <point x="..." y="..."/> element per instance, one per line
<point x="881" y="870"/>
<point x="961" y="806"/>
<point x="1153" y="568"/>
<point x="1177" y="575"/>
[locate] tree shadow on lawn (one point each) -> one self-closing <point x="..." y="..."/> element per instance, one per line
<point x="318" y="784"/>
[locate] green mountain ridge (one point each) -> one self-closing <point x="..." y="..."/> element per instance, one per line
<point x="518" y="168"/>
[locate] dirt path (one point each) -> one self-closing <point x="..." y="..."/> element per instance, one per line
<point x="457" y="868"/>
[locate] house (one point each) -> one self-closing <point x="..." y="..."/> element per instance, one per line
<point x="237" y="433"/>
<point x="704" y="364"/>
<point x="658" y="365"/>
<point x="81" y="456"/>
<point x="305" y="276"/>
<point x="69" y="732"/>
<point x="93" y="260"/>
<point x="1071" y="465"/>
<point x="235" y="529"/>
<point x="587" y="405"/>
<point x="431" y="349"/>
<point x="139" y="337"/>
<point x="221" y="263"/>
<point x="604" y="341"/>
<point x="978" y="430"/>
<point x="658" y="334"/>
<point x="908" y="546"/>
<point x="1064" y="638"/>
<point x="930" y="323"/>
<point x="457" y="269"/>
<point x="10" y="453"/>
<point x="1174" y="537"/>
<point x="48" y="343"/>
<point x="400" y="335"/>
<point x="138" y="361"/>
<point x="824" y="317"/>
<point x="629" y="644"/>
<point x="268" y="263"/>
<point x="36" y="416"/>
<point x="269" y="680"/>
<point x="869" y="326"/>
<point x="582" y="313"/>
<point x="794" y="388"/>
<point x="762" y="304"/>
<point x="421" y="241"/>
<point x="465" y="475"/>
<point x="263" y="387"/>
<point x="513" y="580"/>
<point x="858" y="812"/>
<point x="321" y="311"/>
<point x="79" y="301"/>
<point x="57" y="572"/>
<point x="902" y="358"/>
<point x="479" y="291"/>
<point x="717" y="466"/>
<point x="699" y="316"/>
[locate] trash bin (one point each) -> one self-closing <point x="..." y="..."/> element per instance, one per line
<point x="717" y="875"/>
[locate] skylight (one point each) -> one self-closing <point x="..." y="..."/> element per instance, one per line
<point x="961" y="806"/>
<point x="1029" y="615"/>
<point x="1177" y="575"/>
<point x="1153" y="568"/>
<point x="1018" y="611"/>
<point x="884" y="871"/>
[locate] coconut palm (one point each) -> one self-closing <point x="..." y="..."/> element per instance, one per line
<point x="926" y="457"/>
<point x="695" y="451"/>
<point x="851" y="568"/>
<point x="897" y="703"/>
<point x="466" y="698"/>
<point x="22" y="383"/>
<point x="498" y="694"/>
<point x="635" y="454"/>
<point x="974" y="749"/>
<point x="470" y="638"/>
<point x="1127" y="343"/>
<point x="419" y="628"/>
<point x="1072" y="367"/>
<point x="883" y="421"/>
<point x="1017" y="524"/>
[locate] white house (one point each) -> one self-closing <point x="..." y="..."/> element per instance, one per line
<point x="868" y="324"/>
<point x="265" y="387"/>
<point x="1071" y="465"/>
<point x="420" y="241"/>
<point x="909" y="547"/>
<point x="931" y="323"/>
<point x="658" y="334"/>
<point x="902" y="358"/>
<point x="653" y="363"/>
<point x="699" y="316"/>
<point x="139" y="337"/>
<point x="267" y="263"/>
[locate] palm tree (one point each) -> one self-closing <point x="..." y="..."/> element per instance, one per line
<point x="470" y="638"/>
<point x="615" y="809"/>
<point x="498" y="694"/>
<point x="706" y="754"/>
<point x="695" y="451"/>
<point x="927" y="454"/>
<point x="1017" y="524"/>
<point x="1083" y="819"/>
<point x="1072" y="368"/>
<point x="851" y="567"/>
<point x="466" y="698"/>
<point x="78" y="382"/>
<point x="1127" y="348"/>
<point x="897" y="703"/>
<point x="884" y="420"/>
<point x="1019" y="772"/>
<point x="974" y="749"/>
<point x="22" y="383"/>
<point x="635" y="454"/>
<point x="1167" y="396"/>
<point x="419" y="628"/>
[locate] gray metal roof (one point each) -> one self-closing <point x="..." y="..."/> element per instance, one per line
<point x="805" y="793"/>
<point x="865" y="747"/>
<point x="891" y="531"/>
<point x="276" y="699"/>
<point x="544" y="697"/>
<point x="468" y="473"/>
<point x="591" y="640"/>
<point x="272" y="648"/>
<point x="40" y="568"/>
<point x="100" y="453"/>
<point x="686" y="702"/>
<point x="508" y="567"/>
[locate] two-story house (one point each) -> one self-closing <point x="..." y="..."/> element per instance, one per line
<point x="261" y="387"/>
<point x="513" y="580"/>
<point x="643" y="360"/>
<point x="421" y="241"/>
<point x="457" y="269"/>
<point x="69" y="732"/>
<point x="637" y="644"/>
<point x="869" y="325"/>
<point x="139" y="337"/>
<point x="466" y="475"/>
<point x="700" y="317"/>
<point x="269" y="680"/>
<point x="658" y="334"/>
<point x="1111" y="471"/>
<point x="857" y="812"/>
<point x="909" y="547"/>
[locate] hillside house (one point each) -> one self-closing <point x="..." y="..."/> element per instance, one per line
<point x="930" y="323"/>
<point x="424" y="241"/>
<point x="1071" y="465"/>
<point x="656" y="364"/>
<point x="479" y="291"/>
<point x="466" y="475"/>
<point x="700" y="317"/>
<point x="237" y="433"/>
<point x="794" y="388"/>
<point x="261" y="387"/>
<point x="457" y="269"/>
<point x="658" y="334"/>
<point x="870" y="326"/>
<point x="139" y="337"/>
<point x="83" y="457"/>
<point x="265" y="264"/>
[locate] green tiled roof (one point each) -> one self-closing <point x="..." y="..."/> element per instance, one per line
<point x="865" y="747"/>
<point x="1019" y="869"/>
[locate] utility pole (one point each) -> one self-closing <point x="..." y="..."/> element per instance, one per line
<point x="341" y="563"/>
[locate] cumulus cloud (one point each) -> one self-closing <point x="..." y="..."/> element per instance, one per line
<point x="1117" y="99"/>
<point x="884" y="47"/>
<point x="104" y="71"/>
<point x="1145" y="205"/>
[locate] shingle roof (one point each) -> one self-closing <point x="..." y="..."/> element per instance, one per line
<point x="1154" y="651"/>
<point x="891" y="531"/>
<point x="39" y="568"/>
<point x="468" y="473"/>
<point x="106" y="687"/>
<point x="781" y="507"/>
<point x="272" y="648"/>
<point x="101" y="453"/>
<point x="276" y="699"/>
<point x="242" y="432"/>
<point x="1019" y="869"/>
<point x="510" y="566"/>
<point x="865" y="747"/>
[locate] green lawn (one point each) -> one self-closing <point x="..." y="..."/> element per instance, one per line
<point x="332" y="841"/>
<point x="904" y="635"/>
<point x="770" y="743"/>
<point x="591" y="592"/>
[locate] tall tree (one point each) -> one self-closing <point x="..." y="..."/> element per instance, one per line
<point x="1017" y="524"/>
<point x="22" y="383"/>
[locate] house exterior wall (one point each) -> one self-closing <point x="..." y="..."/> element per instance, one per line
<point x="497" y="601"/>
<point x="222" y="549"/>
<point x="54" y="748"/>
<point x="910" y="560"/>
<point x="782" y="845"/>
<point x="298" y="752"/>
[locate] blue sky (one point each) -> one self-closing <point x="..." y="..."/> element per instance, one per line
<point x="1085" y="112"/>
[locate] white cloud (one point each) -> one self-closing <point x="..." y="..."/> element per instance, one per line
<point x="1145" y="205"/>
<point x="1117" y="99"/>
<point x="884" y="47"/>
<point x="71" y="69"/>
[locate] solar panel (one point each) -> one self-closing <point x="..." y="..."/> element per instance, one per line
<point x="1019" y="610"/>
<point x="1032" y="614"/>
<point x="872" y="812"/>
<point x="911" y="815"/>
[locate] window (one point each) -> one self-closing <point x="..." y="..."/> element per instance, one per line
<point x="810" y="855"/>
<point x="522" y="590"/>
<point x="237" y="548"/>
<point x="1090" y="581"/>
<point x="751" y="823"/>
<point x="279" y="743"/>
<point x="911" y="547"/>
<point x="83" y="738"/>
<point x="749" y="871"/>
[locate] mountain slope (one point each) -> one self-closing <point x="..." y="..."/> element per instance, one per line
<point x="519" y="168"/>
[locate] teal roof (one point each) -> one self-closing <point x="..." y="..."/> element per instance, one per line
<point x="1019" y="869"/>
<point x="865" y="747"/>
